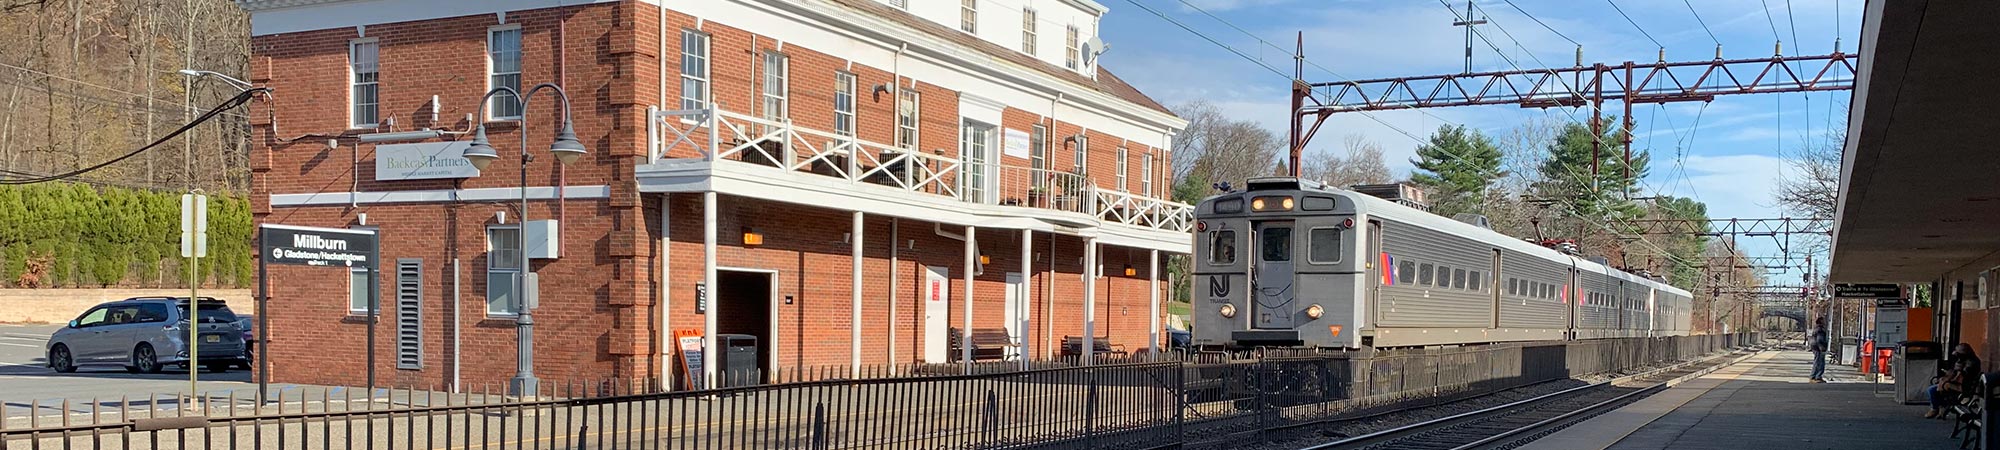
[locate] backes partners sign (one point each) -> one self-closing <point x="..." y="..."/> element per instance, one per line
<point x="422" y="161"/>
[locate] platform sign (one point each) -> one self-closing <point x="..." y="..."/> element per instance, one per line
<point x="1891" y="325"/>
<point x="695" y="375"/>
<point x="313" y="246"/>
<point x="194" y="226"/>
<point x="1867" y="290"/>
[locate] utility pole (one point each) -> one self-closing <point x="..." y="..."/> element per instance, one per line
<point x="1468" y="21"/>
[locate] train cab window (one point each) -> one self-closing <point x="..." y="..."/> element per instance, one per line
<point x="1222" y="247"/>
<point x="1458" y="279"/>
<point x="1406" y="272"/>
<point x="1325" y="246"/>
<point x="1424" y="274"/>
<point x="1276" y="245"/>
<point x="1473" y="280"/>
<point x="1317" y="204"/>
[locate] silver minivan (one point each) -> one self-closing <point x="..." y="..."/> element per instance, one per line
<point x="147" y="334"/>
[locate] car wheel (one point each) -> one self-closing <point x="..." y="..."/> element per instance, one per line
<point x="61" y="360"/>
<point x="144" y="360"/>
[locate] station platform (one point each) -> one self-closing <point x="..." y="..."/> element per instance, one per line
<point x="1763" y="402"/>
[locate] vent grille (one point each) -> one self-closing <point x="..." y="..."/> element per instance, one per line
<point x="409" y="314"/>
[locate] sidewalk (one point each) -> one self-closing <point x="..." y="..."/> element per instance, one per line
<point x="1762" y="403"/>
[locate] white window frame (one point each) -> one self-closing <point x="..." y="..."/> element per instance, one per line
<point x="1028" y="34"/>
<point x="492" y="110"/>
<point x="1081" y="164"/>
<point x="509" y="264"/>
<point x="968" y="16"/>
<point x="357" y="295"/>
<point x="700" y="80"/>
<point x="907" y="134"/>
<point x="775" y="86"/>
<point x="354" y="83"/>
<point x="1070" y="55"/>
<point x="1146" y="174"/>
<point x="1123" y="155"/>
<point x="843" y="115"/>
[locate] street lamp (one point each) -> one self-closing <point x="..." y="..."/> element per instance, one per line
<point x="239" y="84"/>
<point x="566" y="149"/>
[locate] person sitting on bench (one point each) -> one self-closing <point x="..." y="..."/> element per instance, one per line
<point x="1951" y="384"/>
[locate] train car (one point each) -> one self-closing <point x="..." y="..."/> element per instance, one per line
<point x="1292" y="263"/>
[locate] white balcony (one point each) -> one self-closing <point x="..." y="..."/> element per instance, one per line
<point x="713" y="150"/>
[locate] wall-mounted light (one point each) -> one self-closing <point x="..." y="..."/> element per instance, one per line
<point x="752" y="237"/>
<point x="984" y="260"/>
<point x="1129" y="271"/>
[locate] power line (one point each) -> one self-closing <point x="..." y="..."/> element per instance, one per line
<point x="1635" y="24"/>
<point x="233" y="102"/>
<point x="1704" y="23"/>
<point x="1544" y="25"/>
<point x="1206" y="38"/>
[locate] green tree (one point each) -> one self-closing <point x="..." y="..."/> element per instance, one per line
<point x="1456" y="168"/>
<point x="1567" y="178"/>
<point x="1684" y="265"/>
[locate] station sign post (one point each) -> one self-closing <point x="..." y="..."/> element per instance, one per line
<point x="312" y="246"/>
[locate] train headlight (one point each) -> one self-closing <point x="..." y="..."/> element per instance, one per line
<point x="1257" y="204"/>
<point x="1227" y="311"/>
<point x="1287" y="204"/>
<point x="1315" y="311"/>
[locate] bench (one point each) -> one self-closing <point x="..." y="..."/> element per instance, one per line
<point x="1968" y="414"/>
<point x="987" y="344"/>
<point x="1073" y="346"/>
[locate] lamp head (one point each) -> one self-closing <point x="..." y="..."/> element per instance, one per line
<point x="566" y="147"/>
<point x="190" y="72"/>
<point x="480" y="153"/>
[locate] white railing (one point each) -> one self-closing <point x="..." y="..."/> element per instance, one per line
<point x="711" y="134"/>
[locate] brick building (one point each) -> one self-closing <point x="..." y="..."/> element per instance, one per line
<point x="834" y="177"/>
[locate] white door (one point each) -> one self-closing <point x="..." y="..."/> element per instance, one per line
<point x="976" y="144"/>
<point x="937" y="291"/>
<point x="1017" y="313"/>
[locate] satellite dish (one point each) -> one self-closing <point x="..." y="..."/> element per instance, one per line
<point x="1092" y="49"/>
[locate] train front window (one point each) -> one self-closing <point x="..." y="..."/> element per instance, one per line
<point x="1222" y="247"/>
<point x="1276" y="244"/>
<point x="1325" y="244"/>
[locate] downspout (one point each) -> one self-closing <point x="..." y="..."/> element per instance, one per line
<point x="896" y="94"/>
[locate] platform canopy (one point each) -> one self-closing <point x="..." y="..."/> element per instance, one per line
<point x="1920" y="175"/>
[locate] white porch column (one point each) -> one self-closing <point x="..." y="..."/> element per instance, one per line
<point x="1027" y="295"/>
<point x="854" y="323"/>
<point x="965" y="331"/>
<point x="1089" y="298"/>
<point x="1153" y="312"/>
<point x="709" y="358"/>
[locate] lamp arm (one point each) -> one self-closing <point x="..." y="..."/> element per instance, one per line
<point x="479" y="117"/>
<point x="561" y="95"/>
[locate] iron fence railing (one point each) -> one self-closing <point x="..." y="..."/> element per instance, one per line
<point x="1216" y="399"/>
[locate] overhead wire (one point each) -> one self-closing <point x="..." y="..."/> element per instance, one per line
<point x="212" y="113"/>
<point x="1704" y="23"/>
<point x="1635" y="24"/>
<point x="1544" y="25"/>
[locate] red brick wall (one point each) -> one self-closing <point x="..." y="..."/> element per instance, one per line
<point x="599" y="316"/>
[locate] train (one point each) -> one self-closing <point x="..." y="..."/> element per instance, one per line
<point x="1289" y="262"/>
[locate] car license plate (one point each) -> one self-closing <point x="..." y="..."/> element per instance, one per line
<point x="211" y="339"/>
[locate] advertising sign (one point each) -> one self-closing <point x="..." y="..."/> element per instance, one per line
<point x="691" y="358"/>
<point x="1015" y="143"/>
<point x="422" y="161"/>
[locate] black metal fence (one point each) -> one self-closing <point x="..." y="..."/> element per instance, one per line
<point x="1134" y="405"/>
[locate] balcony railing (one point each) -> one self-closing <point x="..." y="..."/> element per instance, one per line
<point x="711" y="134"/>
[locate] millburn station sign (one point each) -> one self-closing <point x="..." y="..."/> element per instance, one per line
<point x="313" y="246"/>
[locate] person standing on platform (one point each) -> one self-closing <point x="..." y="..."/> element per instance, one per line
<point x="1816" y="340"/>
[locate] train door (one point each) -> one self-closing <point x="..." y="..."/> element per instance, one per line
<point x="1572" y="298"/>
<point x="1275" y="276"/>
<point x="1493" y="284"/>
<point x="1378" y="270"/>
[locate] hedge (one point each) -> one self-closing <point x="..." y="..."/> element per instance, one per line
<point x="75" y="235"/>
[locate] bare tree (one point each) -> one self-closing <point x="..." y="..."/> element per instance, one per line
<point x="1362" y="164"/>
<point x="1812" y="187"/>
<point x="1214" y="148"/>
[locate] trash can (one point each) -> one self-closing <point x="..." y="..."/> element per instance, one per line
<point x="738" y="360"/>
<point x="1915" y="363"/>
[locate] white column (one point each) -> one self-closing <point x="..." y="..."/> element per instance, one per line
<point x="1089" y="298"/>
<point x="965" y="330"/>
<point x="1153" y="311"/>
<point x="895" y="284"/>
<point x="666" y="293"/>
<point x="709" y="351"/>
<point x="854" y="322"/>
<point x="1027" y="295"/>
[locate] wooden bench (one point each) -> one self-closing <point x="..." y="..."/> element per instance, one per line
<point x="1073" y="346"/>
<point x="987" y="344"/>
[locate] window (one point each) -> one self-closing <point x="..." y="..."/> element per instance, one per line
<point x="1458" y="279"/>
<point x="1276" y="245"/>
<point x="843" y="103"/>
<point x="1222" y="247"/>
<point x="899" y="4"/>
<point x="503" y="61"/>
<point x="1028" y="31"/>
<point x="1069" y="48"/>
<point x="1513" y="286"/>
<point x="1122" y="157"/>
<point x="357" y="291"/>
<point x="1146" y="175"/>
<point x="1325" y="246"/>
<point x="153" y="312"/>
<point x="968" y="16"/>
<point x="1473" y="278"/>
<point x="1082" y="153"/>
<point x="1038" y="153"/>
<point x="694" y="69"/>
<point x="1406" y="272"/>
<point x="503" y="253"/>
<point x="362" y="59"/>
<point x="93" y="318"/>
<point x="1424" y="274"/>
<point x="1443" y="279"/>
<point x="774" y="86"/>
<point x="906" y="119"/>
<point x="121" y="315"/>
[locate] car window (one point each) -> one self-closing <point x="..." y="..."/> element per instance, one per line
<point x="122" y="315"/>
<point x="212" y="313"/>
<point x="152" y="312"/>
<point x="93" y="318"/>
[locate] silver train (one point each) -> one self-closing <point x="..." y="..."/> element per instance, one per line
<point x="1288" y="262"/>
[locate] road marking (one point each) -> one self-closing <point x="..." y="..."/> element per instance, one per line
<point x="20" y="345"/>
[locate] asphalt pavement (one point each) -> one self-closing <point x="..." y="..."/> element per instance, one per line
<point x="25" y="380"/>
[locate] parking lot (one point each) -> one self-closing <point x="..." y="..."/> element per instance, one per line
<point x="24" y="380"/>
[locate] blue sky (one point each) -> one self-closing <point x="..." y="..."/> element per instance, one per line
<point x="1730" y="161"/>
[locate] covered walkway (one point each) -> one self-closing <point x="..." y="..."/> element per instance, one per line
<point x="1763" y="402"/>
